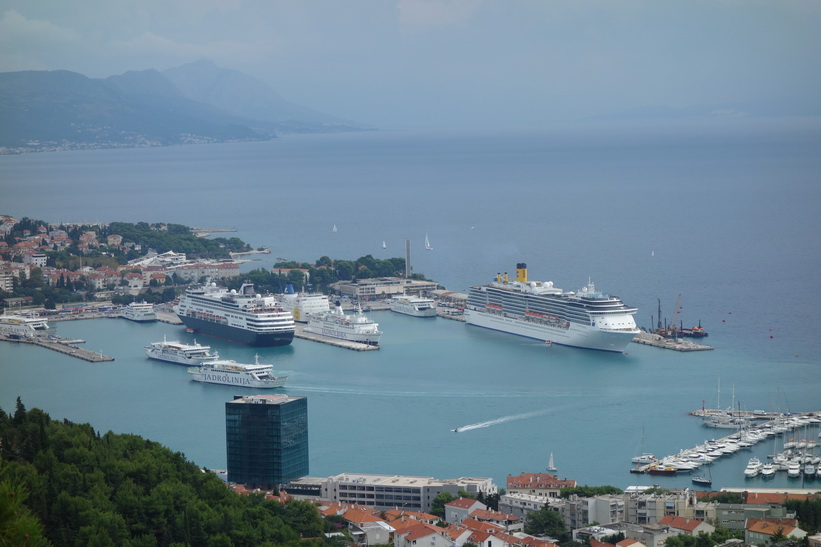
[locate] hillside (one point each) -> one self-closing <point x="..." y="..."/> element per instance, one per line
<point x="50" y="110"/>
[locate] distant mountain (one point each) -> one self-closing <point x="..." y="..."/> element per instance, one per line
<point x="246" y="97"/>
<point x="48" y="110"/>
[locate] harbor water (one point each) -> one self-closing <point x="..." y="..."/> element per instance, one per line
<point x="726" y="218"/>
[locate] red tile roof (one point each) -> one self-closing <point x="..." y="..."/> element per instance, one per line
<point x="537" y="481"/>
<point x="680" y="523"/>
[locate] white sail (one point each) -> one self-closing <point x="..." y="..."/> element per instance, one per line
<point x="427" y="243"/>
<point x="550" y="465"/>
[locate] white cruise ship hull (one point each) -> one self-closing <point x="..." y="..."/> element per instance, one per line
<point x="372" y="339"/>
<point x="575" y="335"/>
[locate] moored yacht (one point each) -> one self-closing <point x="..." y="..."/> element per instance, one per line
<point x="753" y="468"/>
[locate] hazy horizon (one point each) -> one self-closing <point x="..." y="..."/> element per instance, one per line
<point x="406" y="63"/>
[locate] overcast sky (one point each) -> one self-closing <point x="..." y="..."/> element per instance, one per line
<point x="416" y="62"/>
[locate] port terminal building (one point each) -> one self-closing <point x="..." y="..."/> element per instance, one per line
<point x="383" y="287"/>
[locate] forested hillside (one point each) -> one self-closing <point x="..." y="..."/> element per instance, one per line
<point x="85" y="488"/>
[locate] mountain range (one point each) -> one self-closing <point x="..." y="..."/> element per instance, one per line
<point x="196" y="102"/>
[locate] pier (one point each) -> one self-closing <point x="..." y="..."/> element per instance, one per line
<point x="774" y="424"/>
<point x="658" y="341"/>
<point x="62" y="345"/>
<point x="356" y="346"/>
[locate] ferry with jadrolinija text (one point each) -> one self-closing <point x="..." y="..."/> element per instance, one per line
<point x="586" y="319"/>
<point x="231" y="373"/>
<point x="237" y="316"/>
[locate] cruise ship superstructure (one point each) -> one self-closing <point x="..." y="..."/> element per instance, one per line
<point x="585" y="319"/>
<point x="238" y="316"/>
<point x="303" y="305"/>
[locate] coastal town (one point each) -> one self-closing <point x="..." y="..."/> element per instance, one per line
<point x="533" y="508"/>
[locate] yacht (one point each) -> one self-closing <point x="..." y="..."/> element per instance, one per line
<point x="753" y="468"/>
<point x="768" y="471"/>
<point x="794" y="468"/>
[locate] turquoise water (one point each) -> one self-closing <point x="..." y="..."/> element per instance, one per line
<point x="726" y="218"/>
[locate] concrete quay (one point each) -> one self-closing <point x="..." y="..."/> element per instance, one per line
<point x="62" y="345"/>
<point x="356" y="346"/>
<point x="658" y="341"/>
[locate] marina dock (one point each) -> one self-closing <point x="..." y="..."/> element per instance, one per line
<point x="658" y="341"/>
<point x="767" y="428"/>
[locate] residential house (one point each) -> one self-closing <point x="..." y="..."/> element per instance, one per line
<point x="508" y="522"/>
<point x="689" y="527"/>
<point x="764" y="531"/>
<point x="579" y="512"/>
<point x="460" y="509"/>
<point x="421" y="534"/>
<point x="537" y="484"/>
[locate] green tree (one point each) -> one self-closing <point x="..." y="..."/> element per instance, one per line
<point x="547" y="522"/>
<point x="437" y="506"/>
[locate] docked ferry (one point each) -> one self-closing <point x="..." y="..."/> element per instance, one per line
<point x="355" y="327"/>
<point x="415" y="306"/>
<point x="587" y="319"/>
<point x="231" y="373"/>
<point x="180" y="353"/>
<point x="303" y="305"/>
<point x="27" y="321"/>
<point x="139" y="311"/>
<point x="237" y="316"/>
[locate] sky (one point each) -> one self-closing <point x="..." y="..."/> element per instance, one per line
<point x="400" y="63"/>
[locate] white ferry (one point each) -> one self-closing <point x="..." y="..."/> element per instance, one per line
<point x="238" y="316"/>
<point x="356" y="327"/>
<point x="588" y="319"/>
<point x="183" y="354"/>
<point x="139" y="311"/>
<point x="231" y="373"/>
<point x="28" y="321"/>
<point x="303" y="305"/>
<point x="415" y="306"/>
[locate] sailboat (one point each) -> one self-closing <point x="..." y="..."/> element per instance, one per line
<point x="427" y="243"/>
<point x="550" y="465"/>
<point x="642" y="457"/>
<point x="384" y="245"/>
<point x="705" y="479"/>
<point x="334" y="228"/>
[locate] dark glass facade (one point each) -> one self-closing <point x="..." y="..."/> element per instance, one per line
<point x="267" y="439"/>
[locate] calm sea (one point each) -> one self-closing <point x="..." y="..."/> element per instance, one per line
<point x="725" y="216"/>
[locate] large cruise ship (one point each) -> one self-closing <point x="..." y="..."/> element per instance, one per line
<point x="586" y="319"/>
<point x="356" y="327"/>
<point x="303" y="305"/>
<point x="237" y="316"/>
<point x="415" y="306"/>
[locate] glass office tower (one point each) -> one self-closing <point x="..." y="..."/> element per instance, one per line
<point x="267" y="439"/>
